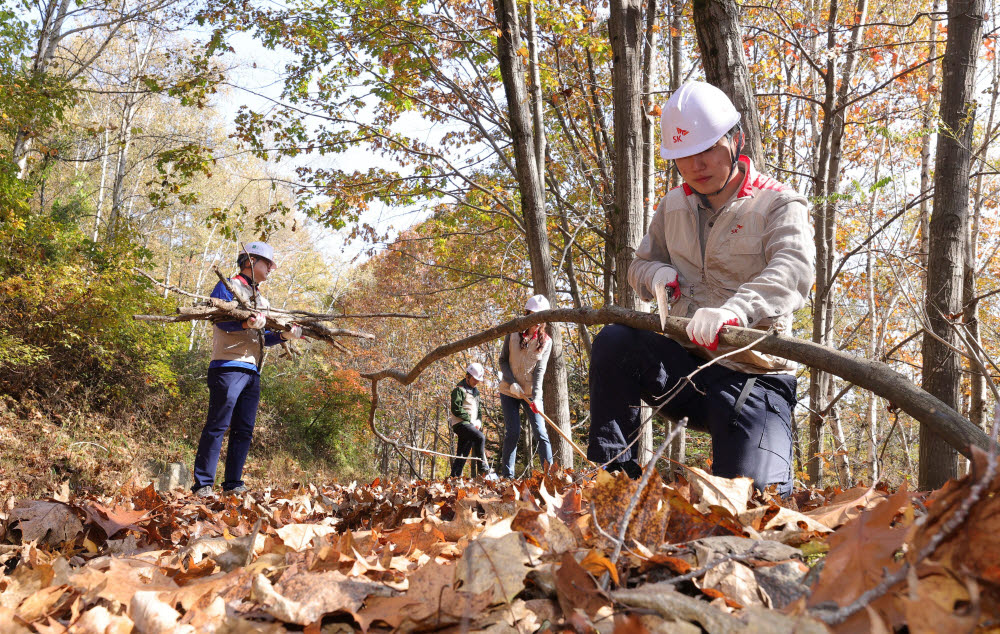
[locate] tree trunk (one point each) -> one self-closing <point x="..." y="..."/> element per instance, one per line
<point x="676" y="54"/>
<point x="977" y="381"/>
<point x="531" y="185"/>
<point x="53" y="17"/>
<point x="925" y="146"/>
<point x="437" y="438"/>
<point x="871" y="410"/>
<point x="170" y="256"/>
<point x="105" y="149"/>
<point x="536" y="97"/>
<point x="626" y="221"/>
<point x="720" y="41"/>
<point x="649" y="120"/>
<point x="574" y="287"/>
<point x="942" y="369"/>
<point x="826" y="179"/>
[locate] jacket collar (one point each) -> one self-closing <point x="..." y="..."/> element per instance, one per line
<point x="246" y="280"/>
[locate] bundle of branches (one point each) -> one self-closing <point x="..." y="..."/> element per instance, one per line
<point x="214" y="309"/>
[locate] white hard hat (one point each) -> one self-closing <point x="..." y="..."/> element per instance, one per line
<point x="536" y="303"/>
<point x="476" y="371"/>
<point x="261" y="249"/>
<point x="695" y="117"/>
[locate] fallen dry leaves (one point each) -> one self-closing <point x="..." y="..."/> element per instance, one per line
<point x="526" y="556"/>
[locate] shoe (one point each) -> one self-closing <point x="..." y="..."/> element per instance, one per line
<point x="240" y="490"/>
<point x="630" y="467"/>
<point x="203" y="492"/>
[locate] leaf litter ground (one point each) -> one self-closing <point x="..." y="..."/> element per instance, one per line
<point x="512" y="556"/>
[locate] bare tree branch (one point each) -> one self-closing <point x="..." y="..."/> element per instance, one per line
<point x="866" y="373"/>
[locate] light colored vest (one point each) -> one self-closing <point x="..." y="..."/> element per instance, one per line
<point x="246" y="346"/>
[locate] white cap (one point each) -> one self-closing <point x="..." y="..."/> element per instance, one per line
<point x="261" y="249"/>
<point x="476" y="371"/>
<point x="536" y="303"/>
<point x="694" y="119"/>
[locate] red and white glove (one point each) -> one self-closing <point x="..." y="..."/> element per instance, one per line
<point x="294" y="332"/>
<point x="707" y="323"/>
<point x="256" y="321"/>
<point x="666" y="276"/>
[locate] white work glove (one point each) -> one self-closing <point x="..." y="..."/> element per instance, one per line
<point x="704" y="327"/>
<point x="294" y="332"/>
<point x="477" y="423"/>
<point x="666" y="288"/>
<point x="666" y="278"/>
<point x="516" y="390"/>
<point x="256" y="321"/>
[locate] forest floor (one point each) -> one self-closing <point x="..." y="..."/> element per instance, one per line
<point x="111" y="554"/>
<point x="42" y="451"/>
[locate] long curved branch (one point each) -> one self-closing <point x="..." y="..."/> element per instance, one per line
<point x="871" y="375"/>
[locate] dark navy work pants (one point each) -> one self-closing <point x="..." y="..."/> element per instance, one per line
<point x="470" y="441"/>
<point x="233" y="395"/>
<point x="750" y="428"/>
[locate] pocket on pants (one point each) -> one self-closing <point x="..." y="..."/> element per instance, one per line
<point x="777" y="434"/>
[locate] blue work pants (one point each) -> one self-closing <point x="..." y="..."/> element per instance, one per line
<point x="233" y="395"/>
<point x="512" y="432"/>
<point x="748" y="415"/>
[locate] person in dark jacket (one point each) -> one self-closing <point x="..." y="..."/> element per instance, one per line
<point x="465" y="420"/>
<point x="234" y="374"/>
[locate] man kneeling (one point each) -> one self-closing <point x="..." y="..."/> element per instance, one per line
<point x="729" y="247"/>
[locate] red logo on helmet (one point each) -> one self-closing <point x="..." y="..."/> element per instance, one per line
<point x="681" y="133"/>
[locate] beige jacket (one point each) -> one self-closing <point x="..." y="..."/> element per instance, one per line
<point x="524" y="366"/>
<point x="759" y="260"/>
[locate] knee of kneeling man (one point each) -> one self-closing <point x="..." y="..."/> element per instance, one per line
<point x="613" y="336"/>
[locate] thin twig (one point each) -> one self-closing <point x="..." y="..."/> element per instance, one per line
<point x="253" y="542"/>
<point x="694" y="574"/>
<point x="84" y="442"/>
<point x="647" y="474"/>
<point x="399" y="445"/>
<point x="608" y="536"/>
<point x="169" y="287"/>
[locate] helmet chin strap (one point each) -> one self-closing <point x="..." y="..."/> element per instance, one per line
<point x="735" y="158"/>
